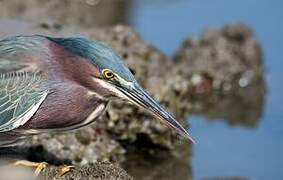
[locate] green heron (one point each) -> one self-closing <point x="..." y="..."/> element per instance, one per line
<point x="53" y="84"/>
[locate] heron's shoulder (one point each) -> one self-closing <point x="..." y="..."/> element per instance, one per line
<point x="81" y="46"/>
<point x="21" y="43"/>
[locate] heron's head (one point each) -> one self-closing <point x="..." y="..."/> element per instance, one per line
<point x="115" y="78"/>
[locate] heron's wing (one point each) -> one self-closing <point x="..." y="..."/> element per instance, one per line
<point x="20" y="53"/>
<point x="20" y="98"/>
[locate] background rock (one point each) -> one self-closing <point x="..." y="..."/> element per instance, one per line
<point x="224" y="68"/>
<point x="230" y="56"/>
<point x="84" y="13"/>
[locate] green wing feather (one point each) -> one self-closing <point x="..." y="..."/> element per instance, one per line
<point x="20" y="98"/>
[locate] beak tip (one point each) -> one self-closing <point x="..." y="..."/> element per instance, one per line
<point x="192" y="140"/>
<point x="188" y="136"/>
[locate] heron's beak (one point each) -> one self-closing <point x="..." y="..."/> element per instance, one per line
<point x="141" y="98"/>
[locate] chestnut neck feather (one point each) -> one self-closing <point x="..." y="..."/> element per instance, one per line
<point x="71" y="67"/>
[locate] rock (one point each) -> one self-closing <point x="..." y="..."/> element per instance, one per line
<point x="231" y="57"/>
<point x="224" y="68"/>
<point x="97" y="171"/>
<point x="83" y="13"/>
<point x="96" y="145"/>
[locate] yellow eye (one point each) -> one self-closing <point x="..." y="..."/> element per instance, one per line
<point x="108" y="74"/>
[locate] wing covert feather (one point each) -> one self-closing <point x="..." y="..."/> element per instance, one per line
<point x="20" y="98"/>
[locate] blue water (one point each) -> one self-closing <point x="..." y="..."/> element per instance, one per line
<point x="223" y="150"/>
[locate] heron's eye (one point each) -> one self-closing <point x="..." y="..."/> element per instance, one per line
<point x="108" y="74"/>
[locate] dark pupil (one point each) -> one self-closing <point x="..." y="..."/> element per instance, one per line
<point x="109" y="74"/>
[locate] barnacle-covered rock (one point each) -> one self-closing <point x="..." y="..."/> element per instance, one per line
<point x="91" y="13"/>
<point x="98" y="171"/>
<point x="230" y="57"/>
<point x="224" y="69"/>
<point x="81" y="147"/>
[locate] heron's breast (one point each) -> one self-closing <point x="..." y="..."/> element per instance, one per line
<point x="69" y="107"/>
<point x="90" y="118"/>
